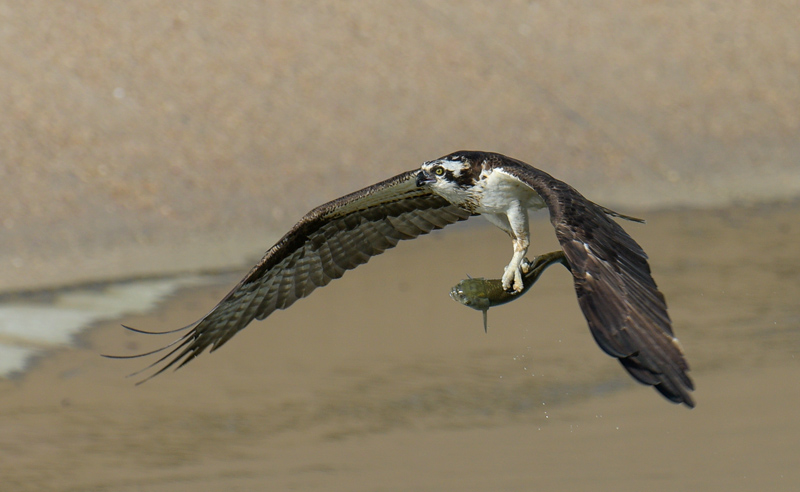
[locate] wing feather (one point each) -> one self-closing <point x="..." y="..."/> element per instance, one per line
<point x="325" y="243"/>
<point x="625" y="311"/>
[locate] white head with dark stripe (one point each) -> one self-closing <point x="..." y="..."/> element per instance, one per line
<point x="453" y="176"/>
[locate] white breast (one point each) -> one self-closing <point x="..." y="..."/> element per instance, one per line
<point x="499" y="191"/>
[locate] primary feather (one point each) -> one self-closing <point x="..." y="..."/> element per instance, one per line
<point x="625" y="311"/>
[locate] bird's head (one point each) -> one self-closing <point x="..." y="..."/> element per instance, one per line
<point x="452" y="173"/>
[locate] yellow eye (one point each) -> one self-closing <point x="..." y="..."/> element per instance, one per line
<point x="438" y="171"/>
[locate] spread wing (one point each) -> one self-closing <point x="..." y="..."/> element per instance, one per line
<point x="329" y="240"/>
<point x="627" y="314"/>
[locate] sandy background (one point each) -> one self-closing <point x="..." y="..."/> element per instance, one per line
<point x="148" y="137"/>
<point x="151" y="138"/>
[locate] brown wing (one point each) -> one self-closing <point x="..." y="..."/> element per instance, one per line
<point x="329" y="240"/>
<point x="627" y="314"/>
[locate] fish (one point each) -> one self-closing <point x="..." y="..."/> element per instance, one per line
<point x="481" y="293"/>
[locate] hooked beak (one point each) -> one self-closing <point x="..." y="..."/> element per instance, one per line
<point x="424" y="178"/>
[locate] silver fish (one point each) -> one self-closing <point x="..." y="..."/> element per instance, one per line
<point x="481" y="293"/>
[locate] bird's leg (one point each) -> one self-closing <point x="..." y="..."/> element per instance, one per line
<point x="514" y="222"/>
<point x="512" y="276"/>
<point x="517" y="217"/>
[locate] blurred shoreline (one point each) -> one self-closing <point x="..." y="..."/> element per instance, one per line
<point x="164" y="260"/>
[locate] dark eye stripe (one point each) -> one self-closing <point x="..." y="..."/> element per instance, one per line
<point x="464" y="180"/>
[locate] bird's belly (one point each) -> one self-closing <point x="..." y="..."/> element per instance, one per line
<point x="500" y="194"/>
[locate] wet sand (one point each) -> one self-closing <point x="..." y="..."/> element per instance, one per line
<point x="380" y="382"/>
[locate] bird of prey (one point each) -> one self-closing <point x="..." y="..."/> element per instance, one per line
<point x="626" y="313"/>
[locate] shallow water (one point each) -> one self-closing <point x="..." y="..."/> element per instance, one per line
<point x="34" y="324"/>
<point x="380" y="382"/>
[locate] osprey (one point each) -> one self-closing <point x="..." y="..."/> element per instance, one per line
<point x="626" y="313"/>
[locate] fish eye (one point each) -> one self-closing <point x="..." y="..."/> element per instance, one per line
<point x="438" y="170"/>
